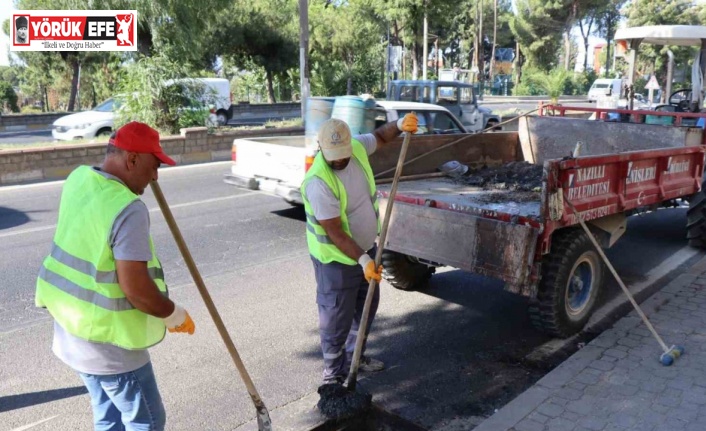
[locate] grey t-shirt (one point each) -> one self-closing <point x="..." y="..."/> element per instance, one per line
<point x="129" y="240"/>
<point x="360" y="211"/>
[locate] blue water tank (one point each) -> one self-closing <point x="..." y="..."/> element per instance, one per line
<point x="359" y="114"/>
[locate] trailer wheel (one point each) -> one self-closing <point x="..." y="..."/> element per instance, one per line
<point x="403" y="272"/>
<point x="572" y="275"/>
<point x="696" y="220"/>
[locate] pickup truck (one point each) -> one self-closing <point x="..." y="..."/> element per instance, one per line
<point x="276" y="165"/>
<point x="529" y="236"/>
<point x="458" y="97"/>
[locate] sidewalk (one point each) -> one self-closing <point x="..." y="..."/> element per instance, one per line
<point x="616" y="382"/>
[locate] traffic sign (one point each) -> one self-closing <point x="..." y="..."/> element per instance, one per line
<point x="652" y="84"/>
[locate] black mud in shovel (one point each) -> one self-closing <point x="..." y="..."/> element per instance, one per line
<point x="263" y="416"/>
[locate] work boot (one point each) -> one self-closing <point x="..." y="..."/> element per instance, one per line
<point x="368" y="364"/>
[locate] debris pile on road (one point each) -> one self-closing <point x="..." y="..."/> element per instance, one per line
<point x="513" y="176"/>
<point x="338" y="402"/>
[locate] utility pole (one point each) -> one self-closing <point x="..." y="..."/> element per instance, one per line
<point x="425" y="52"/>
<point x="304" y="54"/>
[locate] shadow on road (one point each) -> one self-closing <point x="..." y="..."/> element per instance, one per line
<point x="459" y="356"/>
<point x="11" y="217"/>
<point x="294" y="213"/>
<point x="13" y="402"/>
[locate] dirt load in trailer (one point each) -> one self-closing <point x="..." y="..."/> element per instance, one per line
<point x="506" y="216"/>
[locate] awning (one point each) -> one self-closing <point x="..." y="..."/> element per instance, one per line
<point x="681" y="35"/>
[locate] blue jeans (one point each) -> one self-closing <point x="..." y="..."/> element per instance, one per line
<point x="128" y="401"/>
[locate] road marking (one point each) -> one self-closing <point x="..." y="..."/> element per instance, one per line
<point x="555" y="345"/>
<point x="163" y="171"/>
<point x="26" y="427"/>
<point x="186" y="204"/>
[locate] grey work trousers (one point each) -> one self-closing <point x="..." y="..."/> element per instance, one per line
<point x="340" y="295"/>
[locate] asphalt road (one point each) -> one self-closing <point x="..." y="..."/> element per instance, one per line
<point x="454" y="350"/>
<point x="25" y="137"/>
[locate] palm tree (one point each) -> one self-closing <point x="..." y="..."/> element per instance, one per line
<point x="552" y="83"/>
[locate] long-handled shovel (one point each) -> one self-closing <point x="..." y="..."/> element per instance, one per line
<point x="263" y="416"/>
<point x="353" y="373"/>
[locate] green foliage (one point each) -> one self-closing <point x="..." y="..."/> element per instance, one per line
<point x="538" y="26"/>
<point x="8" y="97"/>
<point x="538" y="82"/>
<point x="147" y="96"/>
<point x="29" y="109"/>
<point x="580" y="83"/>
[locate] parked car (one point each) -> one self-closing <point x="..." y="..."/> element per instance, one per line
<point x="459" y="98"/>
<point x="87" y="124"/>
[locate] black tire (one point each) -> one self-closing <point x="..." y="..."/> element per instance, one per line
<point x="562" y="308"/>
<point x="404" y="273"/>
<point x="696" y="220"/>
<point x="222" y="117"/>
<point x="106" y="131"/>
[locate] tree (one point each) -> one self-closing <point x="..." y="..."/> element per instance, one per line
<point x="606" y="24"/>
<point x="351" y="34"/>
<point x="261" y="32"/>
<point x="8" y="97"/>
<point x="538" y="27"/>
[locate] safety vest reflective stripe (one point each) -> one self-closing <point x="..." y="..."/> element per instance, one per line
<point x="88" y="268"/>
<point x="73" y="289"/>
<point x="311" y="219"/>
<point x="321" y="238"/>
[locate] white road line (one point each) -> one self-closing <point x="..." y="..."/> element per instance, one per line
<point x="26" y="427"/>
<point x="163" y="171"/>
<point x="186" y="204"/>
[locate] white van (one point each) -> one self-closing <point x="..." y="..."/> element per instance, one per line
<point x="604" y="87"/>
<point x="216" y="92"/>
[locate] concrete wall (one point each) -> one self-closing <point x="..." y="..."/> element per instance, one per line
<point x="194" y="145"/>
<point x="11" y="123"/>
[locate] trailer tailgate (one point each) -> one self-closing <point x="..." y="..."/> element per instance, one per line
<point x="481" y="245"/>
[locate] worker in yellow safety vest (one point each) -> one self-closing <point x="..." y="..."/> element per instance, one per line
<point x="340" y="200"/>
<point x="104" y="285"/>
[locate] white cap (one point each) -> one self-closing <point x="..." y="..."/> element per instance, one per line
<point x="335" y="140"/>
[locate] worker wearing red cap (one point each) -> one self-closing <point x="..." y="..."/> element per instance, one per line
<point x="104" y="285"/>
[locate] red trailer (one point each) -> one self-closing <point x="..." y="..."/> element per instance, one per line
<point x="531" y="239"/>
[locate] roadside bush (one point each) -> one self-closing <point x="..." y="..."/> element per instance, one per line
<point x="8" y="97"/>
<point x="30" y="110"/>
<point x="580" y="83"/>
<point x="147" y="95"/>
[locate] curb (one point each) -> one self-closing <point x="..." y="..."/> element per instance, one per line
<point x="517" y="409"/>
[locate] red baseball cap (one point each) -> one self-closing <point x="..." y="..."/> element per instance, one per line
<point x="138" y="137"/>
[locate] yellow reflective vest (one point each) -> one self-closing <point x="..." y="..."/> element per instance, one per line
<point x="78" y="281"/>
<point x="320" y="245"/>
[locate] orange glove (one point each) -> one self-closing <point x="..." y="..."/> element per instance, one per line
<point x="408" y="123"/>
<point x="368" y="266"/>
<point x="180" y="321"/>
